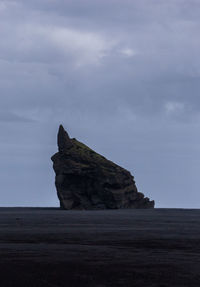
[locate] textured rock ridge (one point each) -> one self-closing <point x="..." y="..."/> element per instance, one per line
<point x="87" y="180"/>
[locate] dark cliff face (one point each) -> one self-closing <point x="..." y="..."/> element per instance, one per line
<point x="87" y="180"/>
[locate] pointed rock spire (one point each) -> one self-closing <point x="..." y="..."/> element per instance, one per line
<point x="87" y="180"/>
<point x="63" y="139"/>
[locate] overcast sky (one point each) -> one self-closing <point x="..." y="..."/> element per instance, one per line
<point x="122" y="76"/>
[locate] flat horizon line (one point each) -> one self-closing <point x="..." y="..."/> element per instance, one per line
<point x="58" y="208"/>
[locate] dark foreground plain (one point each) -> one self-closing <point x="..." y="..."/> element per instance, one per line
<point x="52" y="247"/>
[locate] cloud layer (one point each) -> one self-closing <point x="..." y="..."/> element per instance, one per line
<point x="121" y="76"/>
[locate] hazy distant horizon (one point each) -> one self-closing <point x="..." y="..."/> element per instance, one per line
<point x="95" y="210"/>
<point x="121" y="76"/>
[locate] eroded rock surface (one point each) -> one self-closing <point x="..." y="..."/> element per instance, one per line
<point x="87" y="180"/>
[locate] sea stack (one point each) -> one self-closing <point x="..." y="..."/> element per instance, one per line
<point x="87" y="180"/>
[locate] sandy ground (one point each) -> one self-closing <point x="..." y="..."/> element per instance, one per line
<point x="52" y="247"/>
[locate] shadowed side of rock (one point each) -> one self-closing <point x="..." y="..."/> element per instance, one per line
<point x="63" y="140"/>
<point x="87" y="180"/>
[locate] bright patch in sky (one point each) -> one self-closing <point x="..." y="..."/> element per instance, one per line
<point x="128" y="52"/>
<point x="174" y="107"/>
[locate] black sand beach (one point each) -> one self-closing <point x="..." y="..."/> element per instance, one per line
<point x="52" y="247"/>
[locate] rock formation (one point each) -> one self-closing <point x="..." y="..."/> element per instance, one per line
<point x="87" y="180"/>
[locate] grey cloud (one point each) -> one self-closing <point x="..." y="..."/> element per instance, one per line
<point x="13" y="118"/>
<point x="122" y="76"/>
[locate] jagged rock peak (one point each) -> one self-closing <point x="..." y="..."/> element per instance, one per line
<point x="63" y="139"/>
<point x="87" y="180"/>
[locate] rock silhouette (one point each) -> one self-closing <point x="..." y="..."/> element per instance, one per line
<point x="87" y="180"/>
